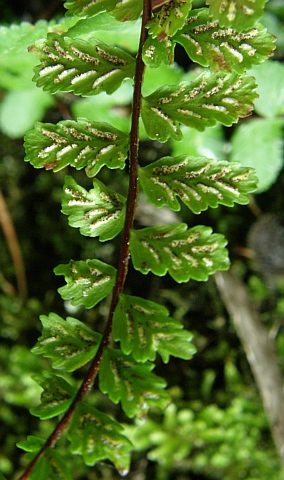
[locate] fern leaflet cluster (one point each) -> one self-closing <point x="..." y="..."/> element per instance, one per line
<point x="224" y="41"/>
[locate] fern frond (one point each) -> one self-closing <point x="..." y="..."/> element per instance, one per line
<point x="99" y="212"/>
<point x="208" y="99"/>
<point x="131" y="383"/>
<point x="69" y="343"/>
<point x="88" y="281"/>
<point x="144" y="328"/>
<point x="73" y="65"/>
<point x="80" y="144"/>
<point x="96" y="436"/>
<point x="199" y="182"/>
<point x="184" y="253"/>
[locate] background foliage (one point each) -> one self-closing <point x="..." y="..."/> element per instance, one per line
<point x="217" y="428"/>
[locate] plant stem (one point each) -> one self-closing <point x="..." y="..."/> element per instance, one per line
<point x="125" y="248"/>
<point x="260" y="351"/>
<point x="14" y="247"/>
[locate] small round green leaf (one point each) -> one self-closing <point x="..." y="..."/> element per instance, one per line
<point x="259" y="144"/>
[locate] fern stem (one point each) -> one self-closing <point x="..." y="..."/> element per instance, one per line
<point x="125" y="248"/>
<point x="133" y="165"/>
